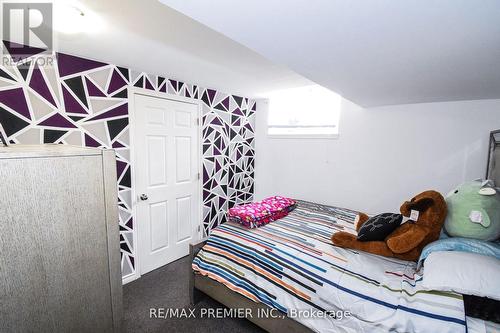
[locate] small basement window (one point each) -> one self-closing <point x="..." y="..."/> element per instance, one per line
<point x="311" y="111"/>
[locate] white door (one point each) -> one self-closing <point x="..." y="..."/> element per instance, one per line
<point x="166" y="179"/>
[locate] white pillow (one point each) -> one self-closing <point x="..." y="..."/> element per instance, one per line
<point x="462" y="272"/>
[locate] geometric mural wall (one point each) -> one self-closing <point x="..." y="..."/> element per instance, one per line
<point x="83" y="102"/>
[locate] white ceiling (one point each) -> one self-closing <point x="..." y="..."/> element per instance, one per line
<point x="147" y="36"/>
<point x="377" y="52"/>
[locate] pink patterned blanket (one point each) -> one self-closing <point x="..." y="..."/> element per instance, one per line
<point x="256" y="214"/>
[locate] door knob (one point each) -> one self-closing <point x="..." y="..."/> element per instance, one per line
<point x="144" y="197"/>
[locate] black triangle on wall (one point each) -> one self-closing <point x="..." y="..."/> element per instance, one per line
<point x="76" y="85"/>
<point x="126" y="179"/>
<point x="124" y="247"/>
<point x="160" y="81"/>
<point x="124" y="72"/>
<point x="51" y="136"/>
<point x="121" y="94"/>
<point x="76" y="118"/>
<point x="220" y="106"/>
<point x="11" y="123"/>
<point x="116" y="126"/>
<point x="24" y="69"/>
<point x="140" y="82"/>
<point x="204" y="98"/>
<point x="238" y="100"/>
<point x="5" y="75"/>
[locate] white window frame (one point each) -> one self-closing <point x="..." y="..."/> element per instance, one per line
<point x="302" y="136"/>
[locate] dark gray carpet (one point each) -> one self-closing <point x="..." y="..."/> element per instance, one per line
<point x="167" y="287"/>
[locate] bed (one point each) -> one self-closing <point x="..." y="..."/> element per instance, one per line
<point x="291" y="267"/>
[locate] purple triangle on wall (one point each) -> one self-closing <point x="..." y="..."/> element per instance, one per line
<point x="174" y="84"/>
<point x="205" y="175"/>
<point x="116" y="82"/>
<point x="120" y="167"/>
<point x="148" y="85"/>
<point x="238" y="112"/>
<point x="130" y="224"/>
<point x="121" y="110"/>
<point x="71" y="104"/>
<point x="211" y="95"/>
<point x="57" y="120"/>
<point x="225" y="102"/>
<point x="216" y="121"/>
<point x="117" y="144"/>
<point x="90" y="142"/>
<point x="19" y="52"/>
<point x="15" y="99"/>
<point x="70" y="64"/>
<point x="39" y="85"/>
<point x="93" y="90"/>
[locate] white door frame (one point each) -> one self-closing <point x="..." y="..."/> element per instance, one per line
<point x="132" y="92"/>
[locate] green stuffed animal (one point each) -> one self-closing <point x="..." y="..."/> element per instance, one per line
<point x="474" y="211"/>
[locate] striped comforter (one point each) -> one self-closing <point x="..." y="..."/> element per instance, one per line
<point x="291" y="265"/>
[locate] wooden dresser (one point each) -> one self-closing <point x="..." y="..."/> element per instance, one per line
<point x="59" y="240"/>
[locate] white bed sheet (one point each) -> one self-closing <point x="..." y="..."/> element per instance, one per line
<point x="475" y="325"/>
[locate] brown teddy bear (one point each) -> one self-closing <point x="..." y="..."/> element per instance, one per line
<point x="408" y="239"/>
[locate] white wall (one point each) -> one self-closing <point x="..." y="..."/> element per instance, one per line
<point x="383" y="155"/>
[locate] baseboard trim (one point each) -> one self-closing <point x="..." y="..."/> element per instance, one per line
<point x="129" y="278"/>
